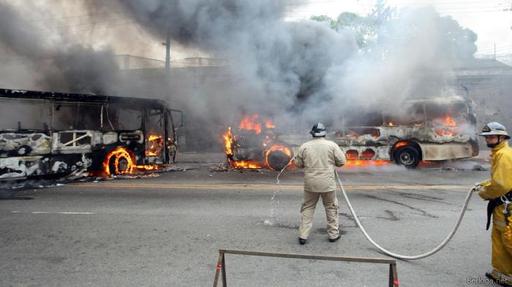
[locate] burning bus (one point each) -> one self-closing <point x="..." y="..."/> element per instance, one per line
<point x="57" y="134"/>
<point x="255" y="145"/>
<point x="434" y="129"/>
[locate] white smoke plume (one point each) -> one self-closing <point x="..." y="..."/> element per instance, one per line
<point x="414" y="57"/>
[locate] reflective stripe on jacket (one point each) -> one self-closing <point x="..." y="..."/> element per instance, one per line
<point x="319" y="157"/>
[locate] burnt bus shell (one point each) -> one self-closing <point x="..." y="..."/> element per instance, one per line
<point x="24" y="148"/>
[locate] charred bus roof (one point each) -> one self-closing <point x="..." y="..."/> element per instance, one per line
<point x="452" y="99"/>
<point x="74" y="97"/>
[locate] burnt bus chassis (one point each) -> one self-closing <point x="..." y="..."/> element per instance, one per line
<point x="58" y="163"/>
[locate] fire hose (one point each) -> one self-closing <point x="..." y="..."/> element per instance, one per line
<point x="383" y="250"/>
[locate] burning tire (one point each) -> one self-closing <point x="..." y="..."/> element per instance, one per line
<point x="408" y="156"/>
<point x="277" y="160"/>
<point x="119" y="165"/>
<point x="118" y="161"/>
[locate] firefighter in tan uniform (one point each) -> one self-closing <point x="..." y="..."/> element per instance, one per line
<point x="319" y="157"/>
<point x="498" y="191"/>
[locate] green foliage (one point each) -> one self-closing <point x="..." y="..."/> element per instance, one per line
<point x="365" y="28"/>
<point x="455" y="41"/>
<point x="325" y="19"/>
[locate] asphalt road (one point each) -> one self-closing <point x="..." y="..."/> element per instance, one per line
<point x="167" y="230"/>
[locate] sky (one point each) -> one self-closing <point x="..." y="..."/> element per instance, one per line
<point x="490" y="19"/>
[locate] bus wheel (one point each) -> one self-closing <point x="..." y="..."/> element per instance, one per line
<point x="407" y="156"/>
<point x="119" y="164"/>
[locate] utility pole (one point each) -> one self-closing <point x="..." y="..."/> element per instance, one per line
<point x="495" y="51"/>
<point x="168" y="53"/>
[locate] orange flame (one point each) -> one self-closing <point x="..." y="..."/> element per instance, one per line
<point x="365" y="163"/>
<point x="115" y="157"/>
<point x="250" y="123"/>
<point x="228" y="142"/>
<point x="123" y="155"/>
<point x="447" y="126"/>
<point x="277" y="147"/>
<point x="401" y="144"/>
<point x="148" y="167"/>
<point x="228" y="149"/>
<point x="245" y="164"/>
<point x="269" y="124"/>
<point x="449" y="121"/>
<point x="155" y="145"/>
<point x="352" y="155"/>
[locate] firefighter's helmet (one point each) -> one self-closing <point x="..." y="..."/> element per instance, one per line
<point x="318" y="130"/>
<point x="494" y="129"/>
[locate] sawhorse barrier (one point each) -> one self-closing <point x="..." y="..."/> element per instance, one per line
<point x="221" y="263"/>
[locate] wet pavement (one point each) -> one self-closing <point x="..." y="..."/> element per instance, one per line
<point x="166" y="229"/>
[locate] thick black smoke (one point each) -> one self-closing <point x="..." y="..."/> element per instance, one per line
<point x="35" y="55"/>
<point x="278" y="65"/>
<point x="305" y="70"/>
<point x="296" y="72"/>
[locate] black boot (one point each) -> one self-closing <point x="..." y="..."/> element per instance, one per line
<point x="335" y="239"/>
<point x="302" y="241"/>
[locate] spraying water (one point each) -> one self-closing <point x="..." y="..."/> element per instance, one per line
<point x="274" y="200"/>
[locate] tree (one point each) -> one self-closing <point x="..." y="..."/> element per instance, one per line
<point x="365" y="28"/>
<point x="380" y="25"/>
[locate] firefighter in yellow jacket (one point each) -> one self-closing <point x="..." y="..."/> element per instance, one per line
<point x="319" y="157"/>
<point x="497" y="191"/>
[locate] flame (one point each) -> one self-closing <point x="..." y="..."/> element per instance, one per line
<point x="148" y="167"/>
<point x="269" y="124"/>
<point x="245" y="164"/>
<point x="250" y="123"/>
<point x="447" y="126"/>
<point x="228" y="142"/>
<point x="400" y="144"/>
<point x="449" y="121"/>
<point x="118" y="154"/>
<point x="365" y="163"/>
<point x="277" y="147"/>
<point x="352" y="154"/>
<point x="122" y="153"/>
<point x="155" y="145"/>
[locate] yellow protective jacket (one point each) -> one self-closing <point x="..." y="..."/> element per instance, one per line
<point x="319" y="157"/>
<point x="501" y="180"/>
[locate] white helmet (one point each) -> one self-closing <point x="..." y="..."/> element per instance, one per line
<point x="494" y="129"/>
<point x="318" y="130"/>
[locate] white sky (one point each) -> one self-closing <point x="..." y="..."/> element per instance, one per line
<point x="490" y="19"/>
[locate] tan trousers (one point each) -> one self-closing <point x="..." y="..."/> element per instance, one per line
<point x="308" y="210"/>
